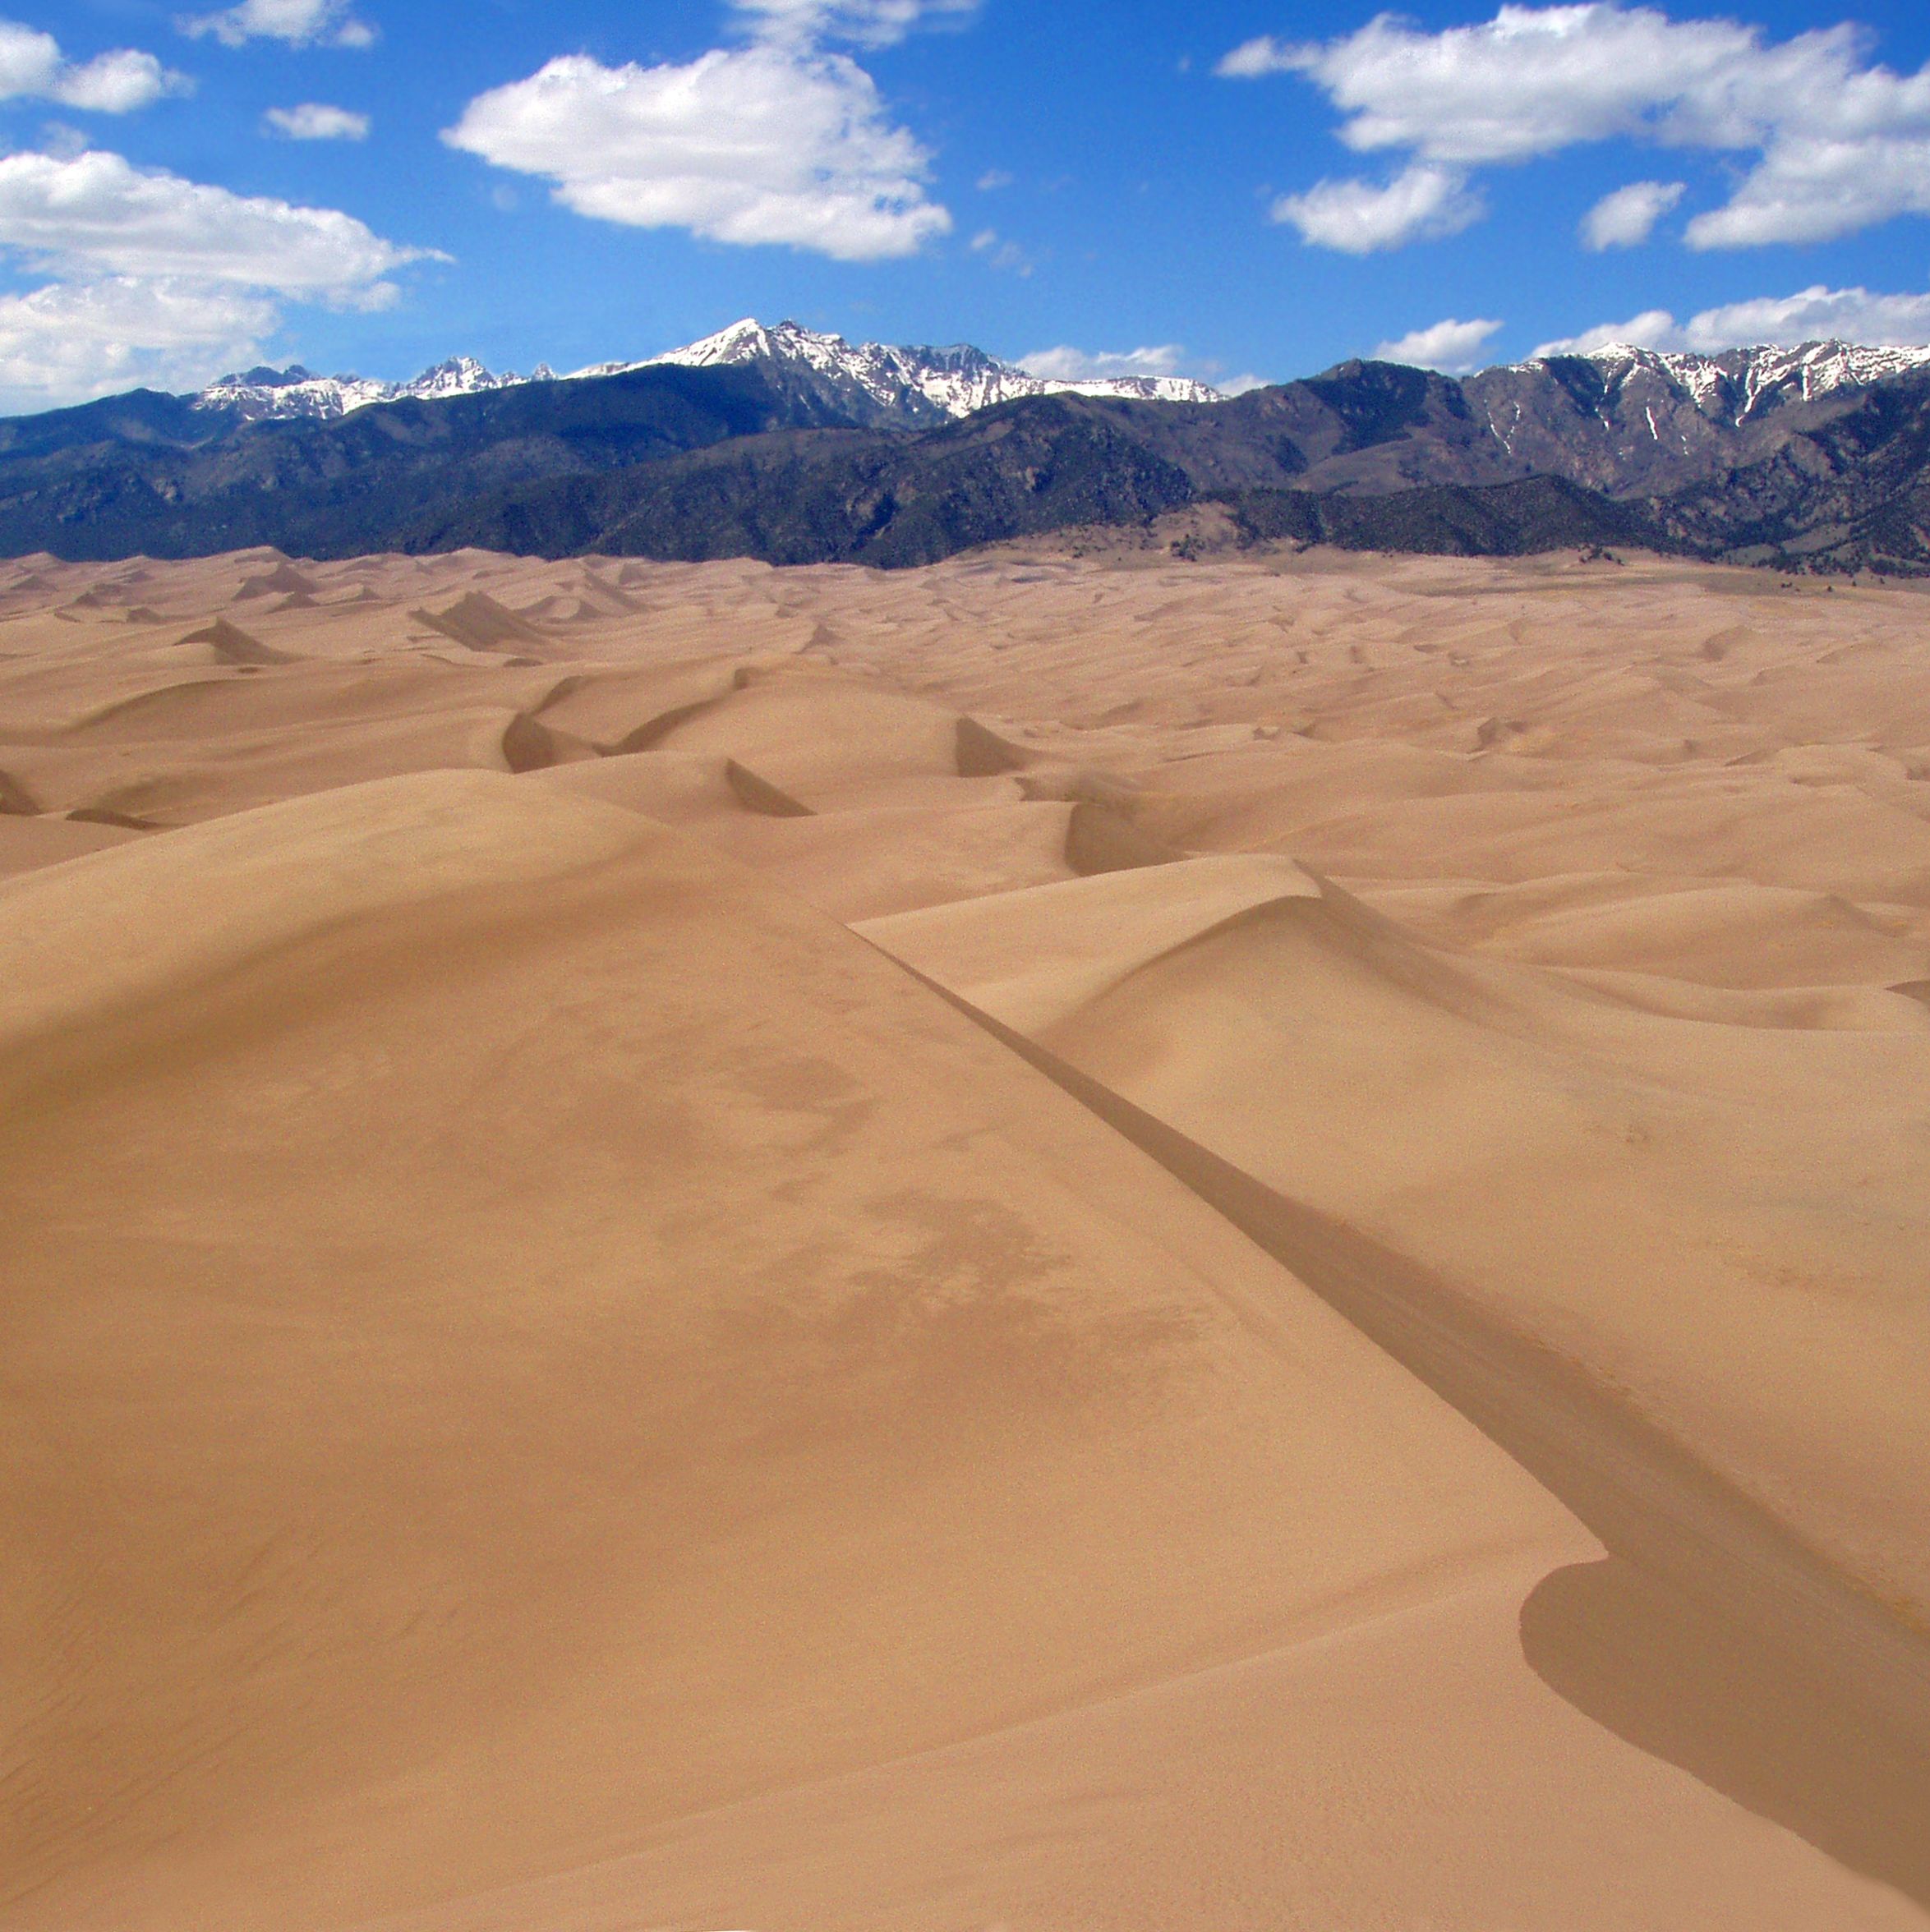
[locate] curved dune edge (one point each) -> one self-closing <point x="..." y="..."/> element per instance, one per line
<point x="1709" y="1636"/>
<point x="1041" y="954"/>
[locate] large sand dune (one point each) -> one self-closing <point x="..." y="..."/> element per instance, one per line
<point x="1057" y="1243"/>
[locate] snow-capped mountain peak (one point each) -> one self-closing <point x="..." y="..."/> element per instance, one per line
<point x="262" y="394"/>
<point x="877" y="382"/>
<point x="951" y="381"/>
<point x="872" y="381"/>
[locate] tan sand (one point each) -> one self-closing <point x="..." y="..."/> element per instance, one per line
<point x="1056" y="1243"/>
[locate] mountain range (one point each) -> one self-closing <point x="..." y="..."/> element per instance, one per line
<point x="795" y="447"/>
<point x="874" y="383"/>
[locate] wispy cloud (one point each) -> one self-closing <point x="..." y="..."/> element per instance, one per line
<point x="1422" y="202"/>
<point x="1064" y="364"/>
<point x="1627" y="217"/>
<point x="315" y="122"/>
<point x="298" y="23"/>
<point x="999" y="253"/>
<point x="866" y="23"/>
<point x="1451" y="346"/>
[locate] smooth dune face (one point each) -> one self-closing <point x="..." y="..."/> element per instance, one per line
<point x="1057" y="1243"/>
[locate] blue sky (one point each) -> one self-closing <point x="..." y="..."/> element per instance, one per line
<point x="1237" y="188"/>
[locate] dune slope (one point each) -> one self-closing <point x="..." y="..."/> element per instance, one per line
<point x="1317" y="1319"/>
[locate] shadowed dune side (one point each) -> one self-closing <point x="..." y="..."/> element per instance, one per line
<point x="1291" y="1039"/>
<point x="759" y="795"/>
<point x="530" y="745"/>
<point x="1709" y="1636"/>
<point x="477" y="621"/>
<point x="983" y="753"/>
<point x="1098" y="840"/>
<point x="229" y="643"/>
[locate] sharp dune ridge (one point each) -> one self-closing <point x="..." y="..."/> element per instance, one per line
<point x="1063" y="1241"/>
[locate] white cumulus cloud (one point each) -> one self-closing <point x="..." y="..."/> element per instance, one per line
<point x="1816" y="187"/>
<point x="1451" y="346"/>
<point x="65" y="343"/>
<point x="1838" y="143"/>
<point x="96" y="212"/>
<point x="157" y="279"/>
<point x="1627" y="217"/>
<point x="1819" y="314"/>
<point x="301" y="23"/>
<point x="1422" y="203"/>
<point x="32" y="66"/>
<point x="313" y="120"/>
<point x="762" y="144"/>
<point x="1069" y="365"/>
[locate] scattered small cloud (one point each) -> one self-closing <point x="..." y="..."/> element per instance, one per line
<point x="1421" y="204"/>
<point x="1450" y="346"/>
<point x="32" y="68"/>
<point x="867" y="23"/>
<point x="1627" y="217"/>
<point x="1833" y="143"/>
<point x="297" y="23"/>
<point x="1818" y="313"/>
<point x="1252" y="60"/>
<point x="1001" y="254"/>
<point x="992" y="180"/>
<point x="314" y="121"/>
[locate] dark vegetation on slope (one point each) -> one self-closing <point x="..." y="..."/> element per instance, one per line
<point x="697" y="463"/>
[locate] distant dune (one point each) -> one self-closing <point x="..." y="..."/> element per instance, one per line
<point x="1085" y="1245"/>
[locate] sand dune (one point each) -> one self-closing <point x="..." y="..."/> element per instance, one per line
<point x="1052" y="1243"/>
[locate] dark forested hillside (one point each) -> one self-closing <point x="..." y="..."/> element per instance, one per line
<point x="684" y="463"/>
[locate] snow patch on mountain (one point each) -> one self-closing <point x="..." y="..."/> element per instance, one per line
<point x="958" y="379"/>
<point x="1738" y="384"/>
<point x="265" y="394"/>
<point x="909" y="386"/>
<point x="890" y="382"/>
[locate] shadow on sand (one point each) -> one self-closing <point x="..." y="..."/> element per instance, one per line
<point x="1710" y="1637"/>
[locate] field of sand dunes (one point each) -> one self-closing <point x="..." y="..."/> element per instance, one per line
<point x="1072" y="1243"/>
